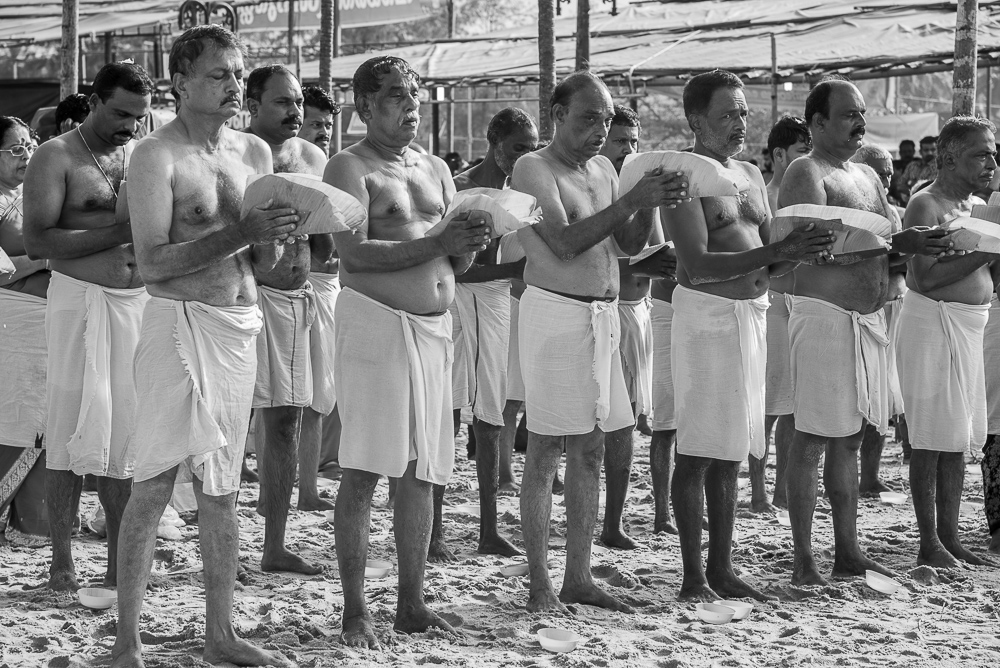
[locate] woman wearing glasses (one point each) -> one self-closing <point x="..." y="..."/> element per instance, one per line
<point x="22" y="344"/>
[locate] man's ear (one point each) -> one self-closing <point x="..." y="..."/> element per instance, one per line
<point x="363" y="105"/>
<point x="694" y="122"/>
<point x="559" y="112"/>
<point x="779" y="156"/>
<point x="253" y="106"/>
<point x="819" y="120"/>
<point x="179" y="83"/>
<point x="93" y="100"/>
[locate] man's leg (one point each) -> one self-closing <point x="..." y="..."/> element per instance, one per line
<point x="437" y="551"/>
<point x="507" y="485"/>
<point x="801" y="482"/>
<point x="642" y="425"/>
<point x="721" y="490"/>
<point x="62" y="496"/>
<point x="990" y="466"/>
<point x="758" y="468"/>
<point x="352" y="520"/>
<point x="871" y="458"/>
<point x="923" y="487"/>
<point x="689" y="502"/>
<point x="137" y="540"/>
<point x="618" y="447"/>
<point x="950" y="482"/>
<point x="310" y="440"/>
<point x="279" y="447"/>
<point x="540" y="466"/>
<point x="114" y="495"/>
<point x="488" y="474"/>
<point x="411" y="525"/>
<point x="784" y="431"/>
<point x="903" y="436"/>
<point x="584" y="455"/>
<point x="661" y="466"/>
<point x="840" y="476"/>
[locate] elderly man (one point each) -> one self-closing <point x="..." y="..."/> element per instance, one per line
<point x="718" y="335"/>
<point x="393" y="360"/>
<point x="482" y="313"/>
<point x="321" y="112"/>
<point x="940" y="346"/>
<point x="196" y="359"/>
<point x="924" y="168"/>
<point x="569" y="329"/>
<point x="288" y="304"/>
<point x="636" y="347"/>
<point x="836" y="310"/>
<point x="94" y="308"/>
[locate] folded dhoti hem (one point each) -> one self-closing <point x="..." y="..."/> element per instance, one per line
<point x="942" y="373"/>
<point x="718" y="357"/>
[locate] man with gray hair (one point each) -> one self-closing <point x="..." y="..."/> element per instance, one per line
<point x="940" y="347"/>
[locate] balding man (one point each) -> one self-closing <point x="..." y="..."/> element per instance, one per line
<point x="718" y="340"/>
<point x="940" y="346"/>
<point x="287" y="301"/>
<point x="836" y="310"/>
<point x="393" y="359"/>
<point x="569" y="328"/>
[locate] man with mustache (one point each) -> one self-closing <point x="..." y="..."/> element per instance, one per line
<point x="940" y="345"/>
<point x="718" y="335"/>
<point x="836" y="310"/>
<point x="94" y="308"/>
<point x="285" y="377"/>
<point x="321" y="112"/>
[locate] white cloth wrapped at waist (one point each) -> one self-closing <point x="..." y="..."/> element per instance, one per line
<point x="22" y="392"/>
<point x="991" y="355"/>
<point x="484" y="309"/>
<point x="284" y="364"/>
<point x="637" y="351"/>
<point x="323" y="341"/>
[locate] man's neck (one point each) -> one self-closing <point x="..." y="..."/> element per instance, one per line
<point x="568" y="158"/>
<point x="945" y="187"/>
<point x="822" y="154"/>
<point x="279" y="148"/>
<point x="93" y="140"/>
<point x="701" y="149"/>
<point x="203" y="130"/>
<point x="386" y="151"/>
<point x="488" y="173"/>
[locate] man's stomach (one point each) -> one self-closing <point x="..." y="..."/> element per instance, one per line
<point x="113" y="268"/>
<point x="975" y="289"/>
<point x="226" y="283"/>
<point x="422" y="290"/>
<point x="860" y="287"/>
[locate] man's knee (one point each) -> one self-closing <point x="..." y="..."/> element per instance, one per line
<point x="282" y="424"/>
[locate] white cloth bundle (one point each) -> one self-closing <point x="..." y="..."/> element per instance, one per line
<point x="859" y="234"/>
<point x="979" y="231"/>
<point x="284" y="362"/>
<point x="648" y="251"/>
<point x="706" y="177"/>
<point x="322" y="209"/>
<point x="323" y="341"/>
<point x="22" y="392"/>
<point x="510" y="209"/>
<point x="484" y="309"/>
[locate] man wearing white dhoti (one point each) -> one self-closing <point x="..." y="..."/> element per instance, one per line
<point x="940" y="344"/>
<point x="569" y="331"/>
<point x="94" y="308"/>
<point x="196" y="359"/>
<point x="718" y="342"/>
<point x="394" y="349"/>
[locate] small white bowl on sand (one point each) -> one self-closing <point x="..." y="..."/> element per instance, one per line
<point x="881" y="583"/>
<point x="712" y="613"/>
<point x="892" y="498"/>
<point x="742" y="609"/>
<point x="558" y="640"/>
<point x="783" y="518"/>
<point x="376" y="568"/>
<point x="97" y="597"/>
<point x="514" y="570"/>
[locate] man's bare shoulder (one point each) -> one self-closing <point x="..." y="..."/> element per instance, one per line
<point x="806" y="167"/>
<point x="311" y="153"/>
<point x="927" y="207"/>
<point x="603" y="165"/>
<point x="54" y="154"/>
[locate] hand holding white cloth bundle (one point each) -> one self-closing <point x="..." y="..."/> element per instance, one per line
<point x="322" y="209"/>
<point x="510" y="209"/>
<point x="979" y="231"/>
<point x="859" y="234"/>
<point x="706" y="177"/>
<point x="6" y="266"/>
<point x="647" y="252"/>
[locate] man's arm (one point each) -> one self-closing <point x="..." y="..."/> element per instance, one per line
<point x="657" y="266"/>
<point x="484" y="273"/>
<point x="802" y="184"/>
<point x="928" y="273"/>
<point x="44" y="196"/>
<point x="12" y="243"/>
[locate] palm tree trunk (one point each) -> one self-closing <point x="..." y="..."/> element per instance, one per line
<point x="326" y="44"/>
<point x="966" y="58"/>
<point x="69" y="74"/>
<point x="546" y="65"/>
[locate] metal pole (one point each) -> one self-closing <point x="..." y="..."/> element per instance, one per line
<point x="452" y="19"/>
<point x="336" y="28"/>
<point x="291" y="32"/>
<point x="451" y="119"/>
<point x="468" y="122"/>
<point x="107" y="47"/>
<point x="69" y="72"/>
<point x="338" y="120"/>
<point x="774" y="80"/>
<point x="436" y="126"/>
<point x="582" y="34"/>
<point x="989" y="92"/>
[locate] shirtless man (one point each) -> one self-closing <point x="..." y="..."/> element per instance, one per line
<point x="393" y="339"/>
<point x="196" y="360"/>
<point x="634" y="310"/>
<point x="94" y="308"/>
<point x="321" y="112"/>
<point x="482" y="312"/>
<point x="940" y="345"/>
<point x="284" y="375"/>
<point x="574" y="384"/>
<point x="718" y="338"/>
<point x="832" y="298"/>
<point x="788" y="139"/>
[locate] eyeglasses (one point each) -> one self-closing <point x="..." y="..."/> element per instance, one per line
<point x="19" y="150"/>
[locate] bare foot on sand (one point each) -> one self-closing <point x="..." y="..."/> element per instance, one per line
<point x="129" y="658"/>
<point x="664" y="525"/>
<point x="419" y="619"/>
<point x="995" y="543"/>
<point x="872" y="491"/>
<point x="438" y="553"/>
<point x="938" y="557"/>
<point x="618" y="539"/>
<point x="288" y="562"/>
<point x="359" y="632"/>
<point x="508" y="489"/>
<point x="850" y="566"/>
<point x="960" y="552"/>
<point x="762" y="506"/>
<point x="545" y="600"/>
<point x="242" y="653"/>
<point x="62" y="580"/>
<point x="728" y="586"/>
<point x="558" y="487"/>
<point x="313" y="503"/>
<point x="807" y="574"/>
<point x="699" y="592"/>
<point x="498" y="545"/>
<point x="591" y="594"/>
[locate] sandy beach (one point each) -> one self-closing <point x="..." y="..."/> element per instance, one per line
<point x="935" y="619"/>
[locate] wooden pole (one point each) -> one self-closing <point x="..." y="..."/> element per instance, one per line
<point x="326" y="45"/>
<point x="452" y="19"/>
<point x="989" y="92"/>
<point x="546" y="65"/>
<point x="774" y="80"/>
<point x="69" y="49"/>
<point x="291" y="31"/>
<point x="582" y="34"/>
<point x="964" y="81"/>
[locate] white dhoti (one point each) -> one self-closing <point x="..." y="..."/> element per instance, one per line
<point x="515" y="382"/>
<point x="91" y="334"/>
<point x="719" y="360"/>
<point x="779" y="396"/>
<point x="664" y="415"/>
<point x="891" y="310"/>
<point x="323" y="341"/>
<point x="22" y="392"/>
<point x="571" y="365"/>
<point x="942" y="374"/>
<point x="838" y="368"/>
<point x="284" y="364"/>
<point x="194" y="376"/>
<point x="991" y="357"/>
<point x="393" y="373"/>
<point x="637" y="352"/>
<point x="484" y="309"/>
<point x="460" y="368"/>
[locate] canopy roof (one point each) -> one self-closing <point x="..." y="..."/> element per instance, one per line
<point x="664" y="44"/>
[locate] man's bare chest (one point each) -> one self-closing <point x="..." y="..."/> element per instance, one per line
<point x="745" y="209"/>
<point x="583" y="197"/>
<point x="852" y="192"/>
